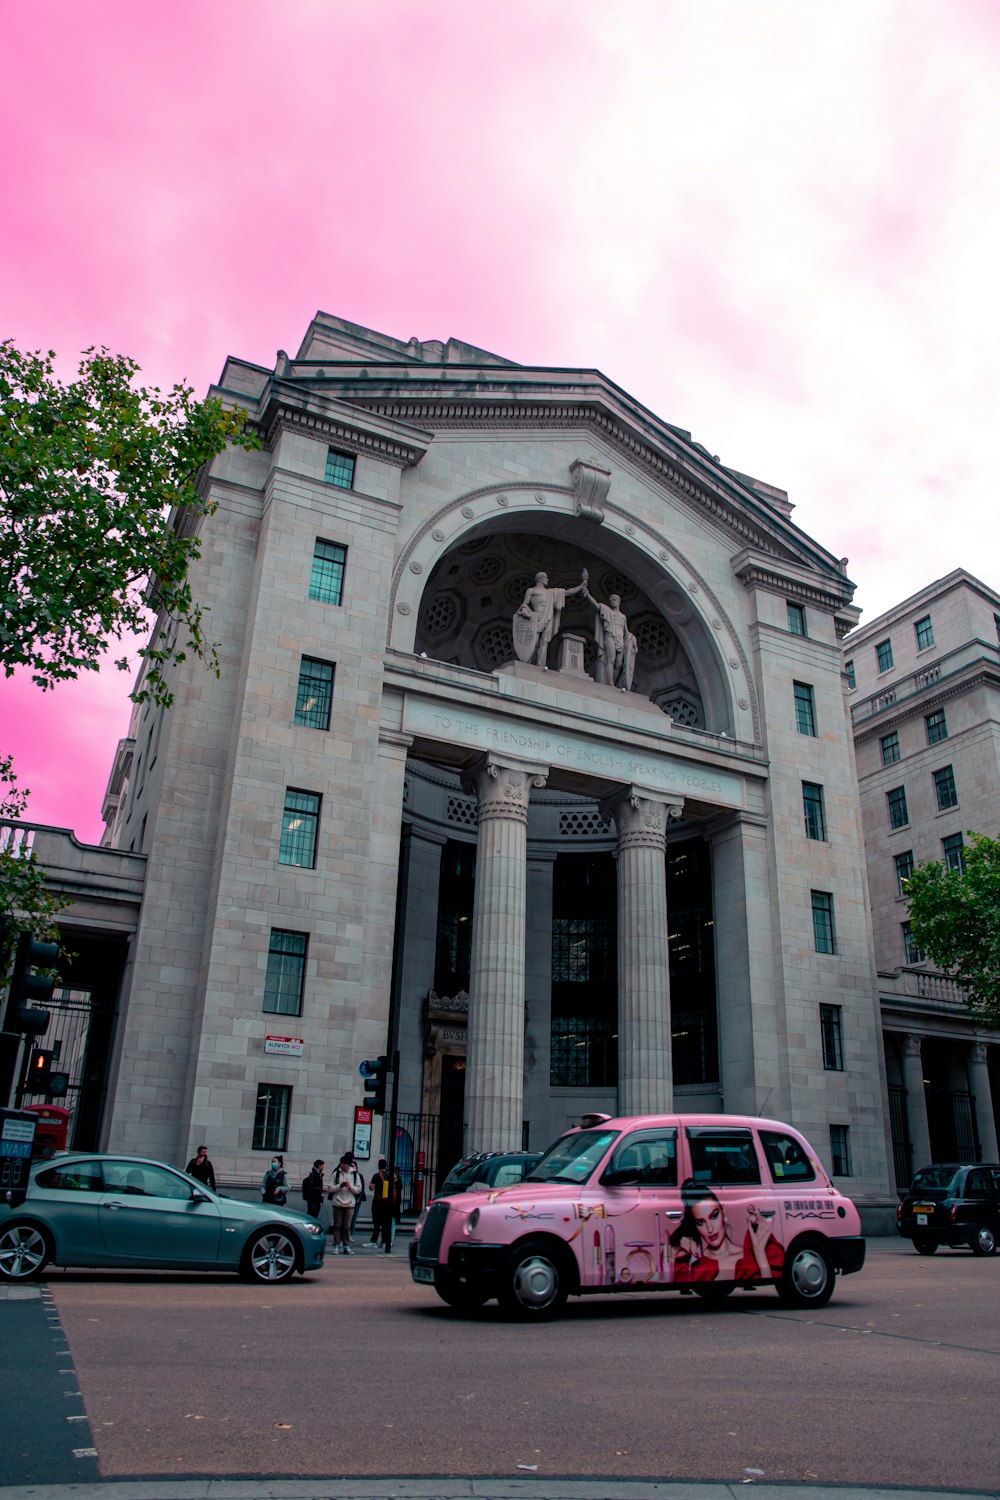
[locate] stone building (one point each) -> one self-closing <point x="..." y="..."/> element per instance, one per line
<point x="924" y="689"/>
<point x="530" y="755"/>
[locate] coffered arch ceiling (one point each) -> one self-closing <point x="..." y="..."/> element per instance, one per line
<point x="471" y="593"/>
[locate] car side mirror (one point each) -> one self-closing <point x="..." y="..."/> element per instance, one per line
<point x="197" y="1196"/>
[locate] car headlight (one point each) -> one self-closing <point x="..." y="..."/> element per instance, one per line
<point x="473" y="1219"/>
<point x="313" y="1228"/>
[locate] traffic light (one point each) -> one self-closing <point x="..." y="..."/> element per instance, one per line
<point x="41" y="1079"/>
<point x="374" y="1071"/>
<point x="27" y="987"/>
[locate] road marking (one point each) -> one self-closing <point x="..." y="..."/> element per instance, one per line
<point x="84" y="1452"/>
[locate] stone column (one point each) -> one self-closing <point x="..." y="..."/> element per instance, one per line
<point x="645" y="1076"/>
<point x="916" y="1101"/>
<point x="494" y="1080"/>
<point x="979" y="1082"/>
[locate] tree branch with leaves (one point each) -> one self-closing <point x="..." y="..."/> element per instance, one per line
<point x="955" y="919"/>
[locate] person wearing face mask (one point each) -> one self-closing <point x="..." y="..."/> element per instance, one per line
<point x="274" y="1186"/>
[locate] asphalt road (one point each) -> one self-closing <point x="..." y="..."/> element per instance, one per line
<point x="357" y="1371"/>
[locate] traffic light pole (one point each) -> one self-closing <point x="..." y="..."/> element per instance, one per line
<point x="394" y="1100"/>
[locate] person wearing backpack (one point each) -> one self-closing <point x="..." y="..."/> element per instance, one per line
<point x="274" y="1184"/>
<point x="312" y="1189"/>
<point x="345" y="1189"/>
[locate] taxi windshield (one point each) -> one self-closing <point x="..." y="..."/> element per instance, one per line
<point x="574" y="1157"/>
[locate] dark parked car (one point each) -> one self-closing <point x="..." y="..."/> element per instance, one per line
<point x="125" y="1212"/>
<point x="486" y="1169"/>
<point x="951" y="1204"/>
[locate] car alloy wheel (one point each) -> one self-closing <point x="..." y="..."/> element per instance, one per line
<point x="807" y="1276"/>
<point x="984" y="1241"/>
<point x="533" y="1284"/>
<point x="271" y="1256"/>
<point x="24" y="1252"/>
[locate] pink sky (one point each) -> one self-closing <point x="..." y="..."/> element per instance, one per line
<point x="777" y="225"/>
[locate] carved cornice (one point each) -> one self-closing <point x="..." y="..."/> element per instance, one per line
<point x="350" y="436"/>
<point x="769" y="580"/>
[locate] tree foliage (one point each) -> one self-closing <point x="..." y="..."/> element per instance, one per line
<point x="26" y="904"/>
<point x="955" y="919"/>
<point x="99" y="510"/>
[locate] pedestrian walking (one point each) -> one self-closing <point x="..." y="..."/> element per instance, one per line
<point x="274" y="1184"/>
<point x="345" y="1189"/>
<point x="312" y="1189"/>
<point x="201" y="1168"/>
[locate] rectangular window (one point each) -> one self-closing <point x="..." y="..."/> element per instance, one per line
<point x="850" y="674"/>
<point x="840" y="1150"/>
<point x="270" y="1119"/>
<point x="898" y="815"/>
<point x="326" y="583"/>
<point x="723" y="1156"/>
<point x="823" y="934"/>
<point x="831" y="1025"/>
<point x="945" y="789"/>
<point x="814" y="810"/>
<point x="937" y="727"/>
<point x="286" y="973"/>
<point x="996" y="622"/>
<point x="912" y="953"/>
<point x="796" y="619"/>
<point x="315" y="693"/>
<point x="925" y="633"/>
<point x="889" y="744"/>
<point x="340" y="469"/>
<point x="299" y="826"/>
<point x="954" y="852"/>
<point x="904" y="869"/>
<point x="883" y="655"/>
<point x="805" y="708"/>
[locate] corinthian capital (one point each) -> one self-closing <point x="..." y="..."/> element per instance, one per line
<point x="640" y="820"/>
<point x="503" y="787"/>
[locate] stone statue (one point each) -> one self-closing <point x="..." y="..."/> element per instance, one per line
<point x="616" y="645"/>
<point x="537" y="620"/>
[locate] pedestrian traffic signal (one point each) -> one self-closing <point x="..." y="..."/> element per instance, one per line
<point x="27" y="987"/>
<point x="374" y="1071"/>
<point x="41" y="1079"/>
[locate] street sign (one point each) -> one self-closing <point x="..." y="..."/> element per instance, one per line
<point x="288" y="1046"/>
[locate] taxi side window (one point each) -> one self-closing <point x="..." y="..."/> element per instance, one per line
<point x="723" y="1156"/>
<point x="978" y="1185"/>
<point x="648" y="1158"/>
<point x="81" y="1177"/>
<point x="508" y="1174"/>
<point x="786" y="1158"/>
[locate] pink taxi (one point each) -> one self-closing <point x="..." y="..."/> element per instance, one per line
<point x="687" y="1203"/>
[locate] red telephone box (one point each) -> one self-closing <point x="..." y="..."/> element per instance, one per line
<point x="52" y="1130"/>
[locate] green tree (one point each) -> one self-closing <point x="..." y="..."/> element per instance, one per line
<point x="100" y="505"/>
<point x="955" y="919"/>
<point x="26" y="903"/>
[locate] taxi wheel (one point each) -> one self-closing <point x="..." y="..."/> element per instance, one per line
<point x="458" y="1294"/>
<point x="533" y="1283"/>
<point x="807" y="1277"/>
<point x="984" y="1241"/>
<point x="924" y="1246"/>
<point x="270" y="1256"/>
<point x="24" y="1251"/>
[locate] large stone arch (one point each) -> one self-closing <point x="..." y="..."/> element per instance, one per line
<point x="659" y="570"/>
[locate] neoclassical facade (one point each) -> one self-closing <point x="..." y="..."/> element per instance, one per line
<point x="530" y="756"/>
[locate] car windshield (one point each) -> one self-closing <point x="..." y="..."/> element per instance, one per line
<point x="933" y="1180"/>
<point x="574" y="1157"/>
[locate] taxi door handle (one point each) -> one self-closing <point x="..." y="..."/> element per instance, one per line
<point x="673" y="1213"/>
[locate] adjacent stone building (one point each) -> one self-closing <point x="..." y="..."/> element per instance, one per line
<point x="924" y="689"/>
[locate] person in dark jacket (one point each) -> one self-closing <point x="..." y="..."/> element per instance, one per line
<point x="314" y="1184"/>
<point x="200" y="1167"/>
<point x="274" y="1184"/>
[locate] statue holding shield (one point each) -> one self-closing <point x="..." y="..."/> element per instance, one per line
<point x="537" y="620"/>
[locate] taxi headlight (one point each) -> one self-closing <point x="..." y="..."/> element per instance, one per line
<point x="473" y="1219"/>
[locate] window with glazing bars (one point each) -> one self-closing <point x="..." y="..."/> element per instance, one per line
<point x="299" y="826"/>
<point x="326" y="582"/>
<point x="912" y="953"/>
<point x="925" y="633"/>
<point x="945" y="789"/>
<point x="814" y="809"/>
<point x="953" y="848"/>
<point x="796" y="619"/>
<point x="831" y="1025"/>
<point x="805" y="708"/>
<point x="822" y="910"/>
<point x="340" y="469"/>
<point x="883" y="655"/>
<point x="937" y="727"/>
<point x="314" y="696"/>
<point x="889" y="745"/>
<point x="840" y="1150"/>
<point x="850" y="674"/>
<point x="898" y="815"/>
<point x="270" y="1120"/>
<point x="904" y="869"/>
<point x="286" y="972"/>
